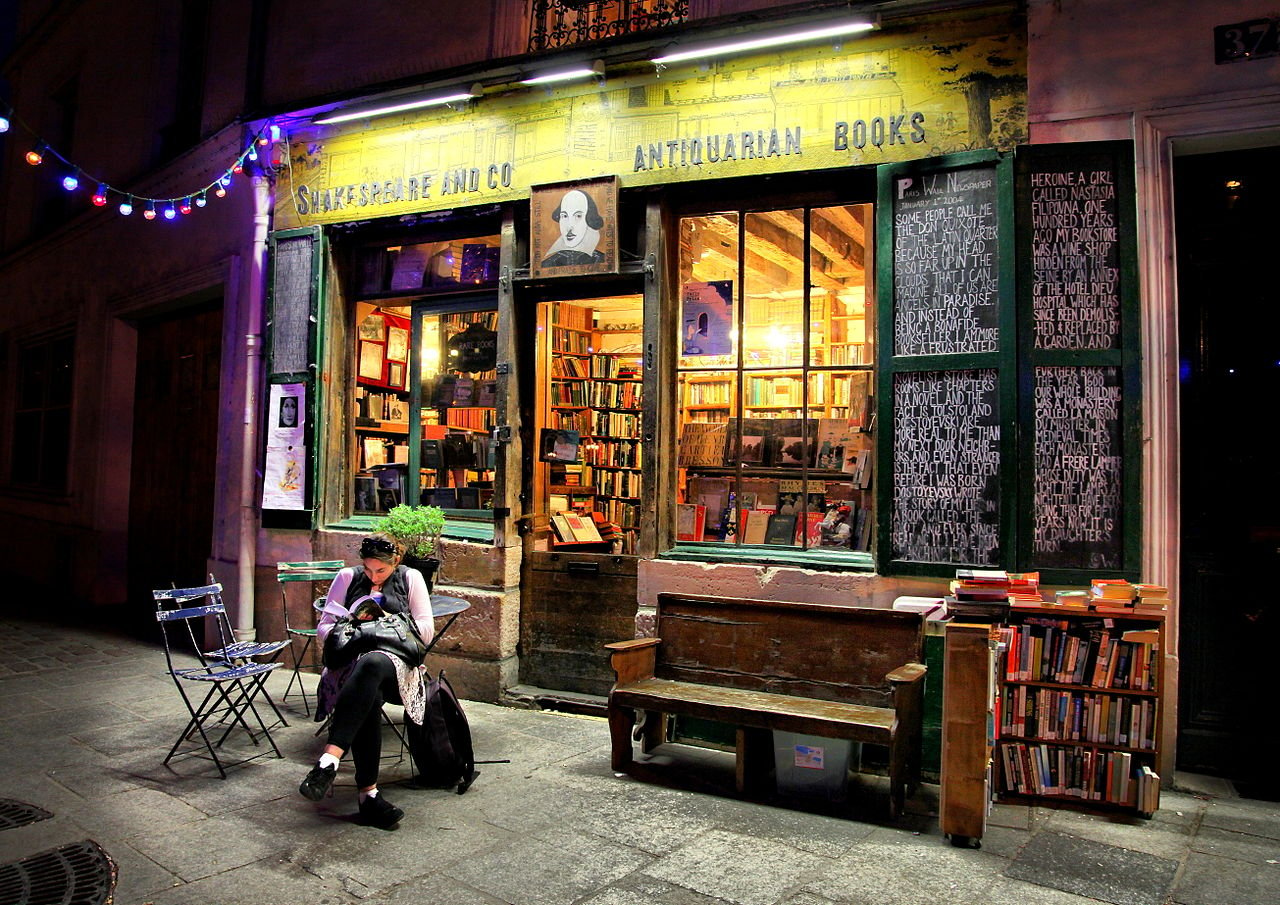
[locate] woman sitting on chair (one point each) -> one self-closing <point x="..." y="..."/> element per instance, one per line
<point x="355" y="694"/>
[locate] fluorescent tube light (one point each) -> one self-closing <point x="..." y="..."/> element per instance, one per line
<point x="566" y="75"/>
<point x="774" y="40"/>
<point x="367" y="112"/>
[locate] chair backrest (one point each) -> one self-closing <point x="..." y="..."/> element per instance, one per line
<point x="172" y="615"/>
<point x="313" y="571"/>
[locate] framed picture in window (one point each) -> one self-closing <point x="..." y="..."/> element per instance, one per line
<point x="371" y="360"/>
<point x="371" y="328"/>
<point x="574" y="228"/>
<point x="395" y="374"/>
<point x="397" y="344"/>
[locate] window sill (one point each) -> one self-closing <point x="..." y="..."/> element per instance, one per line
<point x="822" y="560"/>
<point x="459" y="525"/>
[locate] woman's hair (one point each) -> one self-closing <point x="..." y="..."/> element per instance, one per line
<point x="382" y="547"/>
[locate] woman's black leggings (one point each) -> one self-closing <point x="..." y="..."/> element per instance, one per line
<point x="357" y="714"/>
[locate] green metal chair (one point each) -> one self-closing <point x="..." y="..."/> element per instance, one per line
<point x="288" y="573"/>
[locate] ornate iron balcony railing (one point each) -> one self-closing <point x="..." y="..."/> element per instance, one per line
<point x="555" y="24"/>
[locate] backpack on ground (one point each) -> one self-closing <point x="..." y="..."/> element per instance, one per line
<point x="441" y="746"/>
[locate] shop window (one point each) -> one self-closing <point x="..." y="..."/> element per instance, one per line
<point x="425" y="385"/>
<point x="775" y="377"/>
<point x="588" y="399"/>
<point x="41" y="444"/>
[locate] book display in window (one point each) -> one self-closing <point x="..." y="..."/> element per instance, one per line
<point x="1079" y="704"/>
<point x="590" y="454"/>
<point x="775" y="376"/>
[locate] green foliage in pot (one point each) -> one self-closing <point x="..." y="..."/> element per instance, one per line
<point x="416" y="528"/>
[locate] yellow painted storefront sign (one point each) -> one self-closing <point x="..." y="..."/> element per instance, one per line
<point x="894" y="96"/>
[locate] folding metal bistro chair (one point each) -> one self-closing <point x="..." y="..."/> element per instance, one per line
<point x="290" y="573"/>
<point x="233" y="687"/>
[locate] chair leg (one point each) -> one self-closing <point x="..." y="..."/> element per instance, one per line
<point x="198" y="716"/>
<point x="621" y="720"/>
<point x="298" y="659"/>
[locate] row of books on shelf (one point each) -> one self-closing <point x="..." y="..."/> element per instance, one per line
<point x="1040" y="650"/>
<point x="615" y="395"/>
<point x="614" y="453"/>
<point x="830" y="444"/>
<point x="617" y="483"/>
<point x="615" y="424"/>
<point x="991" y="592"/>
<point x="616" y="366"/>
<point x="567" y="342"/>
<point x="575" y="317"/>
<point x="378" y="406"/>
<point x="1056" y="714"/>
<point x="843" y="525"/>
<point x="1087" y="774"/>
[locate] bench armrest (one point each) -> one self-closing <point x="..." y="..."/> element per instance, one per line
<point x="634" y="659"/>
<point x="907" y="672"/>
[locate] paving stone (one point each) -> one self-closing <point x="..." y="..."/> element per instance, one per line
<point x="1236" y="846"/>
<point x="209" y="846"/>
<point x="266" y="881"/>
<point x="1164" y="839"/>
<point x="435" y="889"/>
<point x="532" y="872"/>
<point x="1211" y="880"/>
<point x="891" y="868"/>
<point x="1093" y="869"/>
<point x="1258" y="818"/>
<point x="735" y="867"/>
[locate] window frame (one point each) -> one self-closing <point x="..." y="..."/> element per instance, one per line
<point x="742" y="207"/>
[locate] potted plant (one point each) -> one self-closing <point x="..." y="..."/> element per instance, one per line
<point x="417" y="529"/>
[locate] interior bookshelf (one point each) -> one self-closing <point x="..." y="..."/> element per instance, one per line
<point x="593" y="386"/>
<point x="1079" y="707"/>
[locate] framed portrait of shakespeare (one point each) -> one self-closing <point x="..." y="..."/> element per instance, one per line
<point x="574" y="228"/>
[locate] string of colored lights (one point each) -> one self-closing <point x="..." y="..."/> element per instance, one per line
<point x="168" y="208"/>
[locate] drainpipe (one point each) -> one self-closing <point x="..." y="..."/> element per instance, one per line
<point x="255" y="289"/>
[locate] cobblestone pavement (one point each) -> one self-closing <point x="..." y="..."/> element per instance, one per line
<point x="87" y="716"/>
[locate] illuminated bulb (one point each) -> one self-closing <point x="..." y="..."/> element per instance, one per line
<point x="201" y="200"/>
<point x="150" y="212"/>
<point x="221" y="190"/>
<point x="274" y="132"/>
<point x="253" y="153"/>
<point x="237" y="168"/>
<point x="226" y="179"/>
<point x="126" y="206"/>
<point x="4" y="122"/>
<point x="71" y="181"/>
<point x="35" y="156"/>
<point x="170" y="212"/>
<point x="185" y="207"/>
<point x="100" y="196"/>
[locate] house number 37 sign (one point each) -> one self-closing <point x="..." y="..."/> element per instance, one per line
<point x="1250" y="40"/>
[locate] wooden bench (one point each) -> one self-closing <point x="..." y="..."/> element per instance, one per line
<point x="838" y="672"/>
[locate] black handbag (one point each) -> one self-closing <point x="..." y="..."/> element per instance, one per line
<point x="393" y="633"/>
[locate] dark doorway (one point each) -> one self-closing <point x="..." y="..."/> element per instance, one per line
<point x="175" y="439"/>
<point x="1228" y="237"/>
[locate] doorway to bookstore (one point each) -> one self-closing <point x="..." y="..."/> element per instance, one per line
<point x="1227" y="234"/>
<point x="583" y="487"/>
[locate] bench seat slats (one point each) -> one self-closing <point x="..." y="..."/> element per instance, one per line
<point x="761" y="709"/>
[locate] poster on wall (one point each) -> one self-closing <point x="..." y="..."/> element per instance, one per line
<point x="574" y="228"/>
<point x="706" y="318"/>
<point x="284" y="471"/>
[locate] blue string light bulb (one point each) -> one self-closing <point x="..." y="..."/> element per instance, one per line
<point x="71" y="181"/>
<point x="201" y="200"/>
<point x="126" y="206"/>
<point x="170" y="211"/>
<point x="5" y="113"/>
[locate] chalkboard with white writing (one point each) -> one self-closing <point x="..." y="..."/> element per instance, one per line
<point x="946" y="467"/>
<point x="946" y="262"/>
<point x="1072" y="207"/>
<point x="291" y="305"/>
<point x="1078" y="467"/>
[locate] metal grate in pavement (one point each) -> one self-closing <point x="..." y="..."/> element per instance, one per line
<point x="14" y="813"/>
<point x="79" y="873"/>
